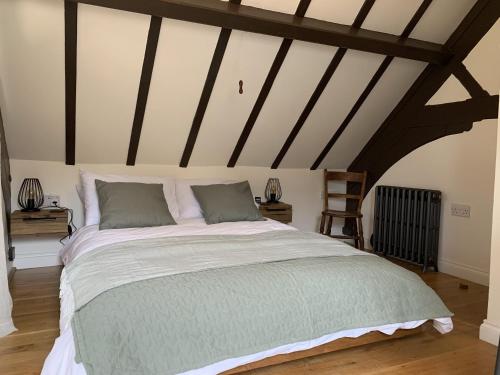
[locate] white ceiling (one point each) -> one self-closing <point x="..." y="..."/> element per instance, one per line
<point x="110" y="54"/>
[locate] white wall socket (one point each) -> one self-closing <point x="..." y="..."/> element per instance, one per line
<point x="51" y="200"/>
<point x="460" y="210"/>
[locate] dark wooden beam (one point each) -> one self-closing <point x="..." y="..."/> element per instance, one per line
<point x="213" y="71"/>
<point x="371" y="85"/>
<point x="325" y="79"/>
<point x="70" y="36"/>
<point x="256" y="20"/>
<point x="468" y="81"/>
<point x="467" y="111"/>
<point x="142" y="95"/>
<point x="266" y="88"/>
<point x="396" y="138"/>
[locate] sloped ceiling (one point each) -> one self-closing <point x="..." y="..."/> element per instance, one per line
<point x="110" y="53"/>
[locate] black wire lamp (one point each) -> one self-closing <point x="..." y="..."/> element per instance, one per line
<point x="273" y="190"/>
<point x="30" y="196"/>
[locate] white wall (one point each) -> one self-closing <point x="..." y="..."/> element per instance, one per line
<point x="6" y="324"/>
<point x="461" y="167"/>
<point x="301" y="188"/>
<point x="490" y="329"/>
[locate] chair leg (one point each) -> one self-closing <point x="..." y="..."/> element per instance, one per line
<point x="329" y="227"/>
<point x="359" y="226"/>
<point x="322" y="224"/>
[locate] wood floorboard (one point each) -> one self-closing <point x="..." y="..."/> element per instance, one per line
<point x="35" y="293"/>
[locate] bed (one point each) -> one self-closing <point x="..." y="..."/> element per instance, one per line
<point x="173" y="276"/>
<point x="89" y="242"/>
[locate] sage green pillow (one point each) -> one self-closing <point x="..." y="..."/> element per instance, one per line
<point x="226" y="202"/>
<point x="132" y="205"/>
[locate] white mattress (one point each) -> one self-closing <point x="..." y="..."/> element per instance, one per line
<point x="61" y="359"/>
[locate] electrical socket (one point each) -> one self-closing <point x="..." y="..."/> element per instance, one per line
<point x="461" y="210"/>
<point x="51" y="200"/>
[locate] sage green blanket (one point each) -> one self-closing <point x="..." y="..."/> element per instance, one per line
<point x="193" y="301"/>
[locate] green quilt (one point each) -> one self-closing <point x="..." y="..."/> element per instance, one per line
<point x="259" y="292"/>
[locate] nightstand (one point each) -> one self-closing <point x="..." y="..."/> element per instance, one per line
<point x="43" y="222"/>
<point x="277" y="211"/>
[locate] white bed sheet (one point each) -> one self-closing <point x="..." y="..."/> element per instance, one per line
<point x="61" y="359"/>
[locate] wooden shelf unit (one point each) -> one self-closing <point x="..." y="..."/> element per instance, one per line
<point x="43" y="222"/>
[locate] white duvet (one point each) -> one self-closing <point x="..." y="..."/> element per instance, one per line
<point x="61" y="359"/>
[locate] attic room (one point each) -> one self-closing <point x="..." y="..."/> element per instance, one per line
<point x="249" y="186"/>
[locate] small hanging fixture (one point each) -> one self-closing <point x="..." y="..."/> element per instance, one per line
<point x="241" y="87"/>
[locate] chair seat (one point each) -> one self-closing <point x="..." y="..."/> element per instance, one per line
<point x="336" y="213"/>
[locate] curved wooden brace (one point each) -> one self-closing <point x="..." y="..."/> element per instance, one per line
<point x="412" y="124"/>
<point x="427" y="125"/>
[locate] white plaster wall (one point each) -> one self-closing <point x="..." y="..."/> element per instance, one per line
<point x="301" y="188"/>
<point x="6" y="324"/>
<point x="462" y="168"/>
<point x="490" y="329"/>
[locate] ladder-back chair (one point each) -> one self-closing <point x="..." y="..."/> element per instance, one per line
<point x="328" y="214"/>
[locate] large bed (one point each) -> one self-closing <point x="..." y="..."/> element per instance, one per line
<point x="194" y="298"/>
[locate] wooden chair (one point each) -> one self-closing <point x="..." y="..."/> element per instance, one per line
<point x="348" y="177"/>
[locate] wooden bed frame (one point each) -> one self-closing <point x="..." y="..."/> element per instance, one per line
<point x="334" y="346"/>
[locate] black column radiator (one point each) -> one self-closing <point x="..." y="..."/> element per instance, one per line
<point x="406" y="224"/>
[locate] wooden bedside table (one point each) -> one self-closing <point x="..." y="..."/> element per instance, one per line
<point x="53" y="222"/>
<point x="277" y="211"/>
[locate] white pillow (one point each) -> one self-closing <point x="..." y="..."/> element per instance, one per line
<point x="188" y="205"/>
<point x="91" y="203"/>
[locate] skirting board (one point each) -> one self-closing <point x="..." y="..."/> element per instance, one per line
<point x="464" y="271"/>
<point x="489" y="332"/>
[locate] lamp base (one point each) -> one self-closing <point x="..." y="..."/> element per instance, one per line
<point x="30" y="210"/>
<point x="272" y="202"/>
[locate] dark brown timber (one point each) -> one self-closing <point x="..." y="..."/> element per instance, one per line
<point x="398" y="135"/>
<point x="467" y="111"/>
<point x="325" y="79"/>
<point x="371" y="85"/>
<point x="468" y="81"/>
<point x="213" y="71"/>
<point x="246" y="18"/>
<point x="70" y="36"/>
<point x="142" y="95"/>
<point x="266" y="88"/>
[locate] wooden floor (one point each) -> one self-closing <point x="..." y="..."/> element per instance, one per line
<point x="36" y="313"/>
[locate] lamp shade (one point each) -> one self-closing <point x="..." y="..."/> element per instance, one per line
<point x="273" y="190"/>
<point x="30" y="196"/>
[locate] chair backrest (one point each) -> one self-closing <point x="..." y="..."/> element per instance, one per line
<point x="350" y="178"/>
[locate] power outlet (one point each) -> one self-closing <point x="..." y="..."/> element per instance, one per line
<point x="51" y="200"/>
<point x="460" y="210"/>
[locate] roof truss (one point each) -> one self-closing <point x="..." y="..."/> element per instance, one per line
<point x="413" y="124"/>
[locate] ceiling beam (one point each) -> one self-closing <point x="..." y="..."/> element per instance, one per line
<point x="325" y="79"/>
<point x="371" y="85"/>
<point x="144" y="83"/>
<point x="256" y="20"/>
<point x="266" y="88"/>
<point x="70" y="37"/>
<point x="213" y="71"/>
<point x="470" y="110"/>
<point x="469" y="82"/>
<point x="394" y="139"/>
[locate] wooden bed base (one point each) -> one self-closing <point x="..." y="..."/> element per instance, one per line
<point x="334" y="346"/>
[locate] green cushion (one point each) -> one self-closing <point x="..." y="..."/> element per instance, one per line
<point x="132" y="205"/>
<point x="227" y="202"/>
